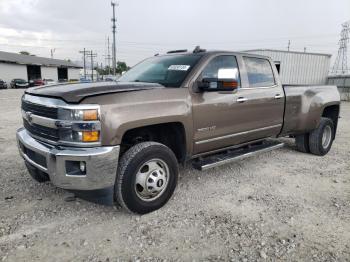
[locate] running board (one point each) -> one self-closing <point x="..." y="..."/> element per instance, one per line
<point x="230" y="156"/>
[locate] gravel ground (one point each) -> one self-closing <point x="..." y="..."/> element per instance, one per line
<point x="282" y="205"/>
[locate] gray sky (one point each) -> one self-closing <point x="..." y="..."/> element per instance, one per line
<point x="155" y="26"/>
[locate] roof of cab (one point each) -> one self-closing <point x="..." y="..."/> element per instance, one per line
<point x="209" y="52"/>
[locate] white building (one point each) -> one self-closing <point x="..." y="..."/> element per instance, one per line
<point x="88" y="74"/>
<point x="343" y="84"/>
<point x="298" y="68"/>
<point x="29" y="67"/>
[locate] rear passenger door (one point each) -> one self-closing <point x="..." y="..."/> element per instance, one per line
<point x="262" y="97"/>
<point x="253" y="111"/>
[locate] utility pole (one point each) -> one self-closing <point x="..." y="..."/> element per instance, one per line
<point x="84" y="52"/>
<point x="52" y="51"/>
<point x="288" y="45"/>
<point x="91" y="55"/>
<point x="114" y="62"/>
<point x="108" y="57"/>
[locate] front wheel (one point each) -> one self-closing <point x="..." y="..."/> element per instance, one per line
<point x="321" y="139"/>
<point x="147" y="177"/>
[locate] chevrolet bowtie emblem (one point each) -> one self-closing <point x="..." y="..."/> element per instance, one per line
<point x="29" y="116"/>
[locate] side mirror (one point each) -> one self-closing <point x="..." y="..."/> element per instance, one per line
<point x="227" y="80"/>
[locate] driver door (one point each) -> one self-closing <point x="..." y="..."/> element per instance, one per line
<point x="217" y="114"/>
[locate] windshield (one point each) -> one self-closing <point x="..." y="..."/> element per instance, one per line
<point x="20" y="81"/>
<point x="169" y="71"/>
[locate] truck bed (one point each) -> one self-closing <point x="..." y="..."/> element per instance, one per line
<point x="304" y="104"/>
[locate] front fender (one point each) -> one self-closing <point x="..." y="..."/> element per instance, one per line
<point x="125" y="111"/>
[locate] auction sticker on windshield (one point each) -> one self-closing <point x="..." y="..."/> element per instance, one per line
<point x="179" y="67"/>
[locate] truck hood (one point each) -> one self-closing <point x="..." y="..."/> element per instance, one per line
<point x="76" y="92"/>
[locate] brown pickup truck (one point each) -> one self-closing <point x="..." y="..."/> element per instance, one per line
<point x="123" y="141"/>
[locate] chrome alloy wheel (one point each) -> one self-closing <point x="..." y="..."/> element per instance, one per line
<point x="326" y="136"/>
<point x="152" y="179"/>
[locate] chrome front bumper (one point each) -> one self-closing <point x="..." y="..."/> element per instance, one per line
<point x="101" y="163"/>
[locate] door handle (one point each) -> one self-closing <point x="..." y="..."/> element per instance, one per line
<point x="278" y="96"/>
<point x="242" y="99"/>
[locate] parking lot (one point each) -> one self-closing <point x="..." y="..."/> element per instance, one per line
<point x="281" y="205"/>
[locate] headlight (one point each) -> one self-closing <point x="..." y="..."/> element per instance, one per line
<point x="79" y="125"/>
<point x="79" y="136"/>
<point x="78" y="114"/>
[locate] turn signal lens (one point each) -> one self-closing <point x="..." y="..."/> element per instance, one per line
<point x="230" y="84"/>
<point x="91" y="136"/>
<point x="90" y="115"/>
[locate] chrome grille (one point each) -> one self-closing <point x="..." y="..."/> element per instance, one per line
<point x="53" y="121"/>
<point x="41" y="131"/>
<point x="49" y="112"/>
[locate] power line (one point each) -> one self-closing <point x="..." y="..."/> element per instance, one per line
<point x="90" y="41"/>
<point x="134" y="51"/>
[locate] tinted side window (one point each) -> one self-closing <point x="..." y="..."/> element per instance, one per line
<point x="220" y="62"/>
<point x="259" y="72"/>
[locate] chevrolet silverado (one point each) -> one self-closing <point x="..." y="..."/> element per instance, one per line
<point x="123" y="141"/>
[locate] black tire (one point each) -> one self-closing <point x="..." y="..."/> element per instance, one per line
<point x="302" y="143"/>
<point x="315" y="137"/>
<point x="37" y="174"/>
<point x="130" y="163"/>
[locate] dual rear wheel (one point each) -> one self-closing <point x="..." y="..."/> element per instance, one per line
<point x="318" y="141"/>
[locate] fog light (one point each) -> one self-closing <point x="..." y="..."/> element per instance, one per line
<point x="75" y="168"/>
<point x="82" y="166"/>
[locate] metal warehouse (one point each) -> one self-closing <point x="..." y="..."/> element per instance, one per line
<point x="343" y="84"/>
<point x="29" y="67"/>
<point x="298" y="68"/>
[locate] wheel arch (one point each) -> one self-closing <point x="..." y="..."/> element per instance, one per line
<point x="332" y="111"/>
<point x="171" y="134"/>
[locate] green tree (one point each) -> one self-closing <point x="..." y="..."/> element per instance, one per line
<point x="121" y="67"/>
<point x="24" y="53"/>
<point x="100" y="71"/>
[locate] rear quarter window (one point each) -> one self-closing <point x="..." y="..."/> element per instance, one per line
<point x="259" y="72"/>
